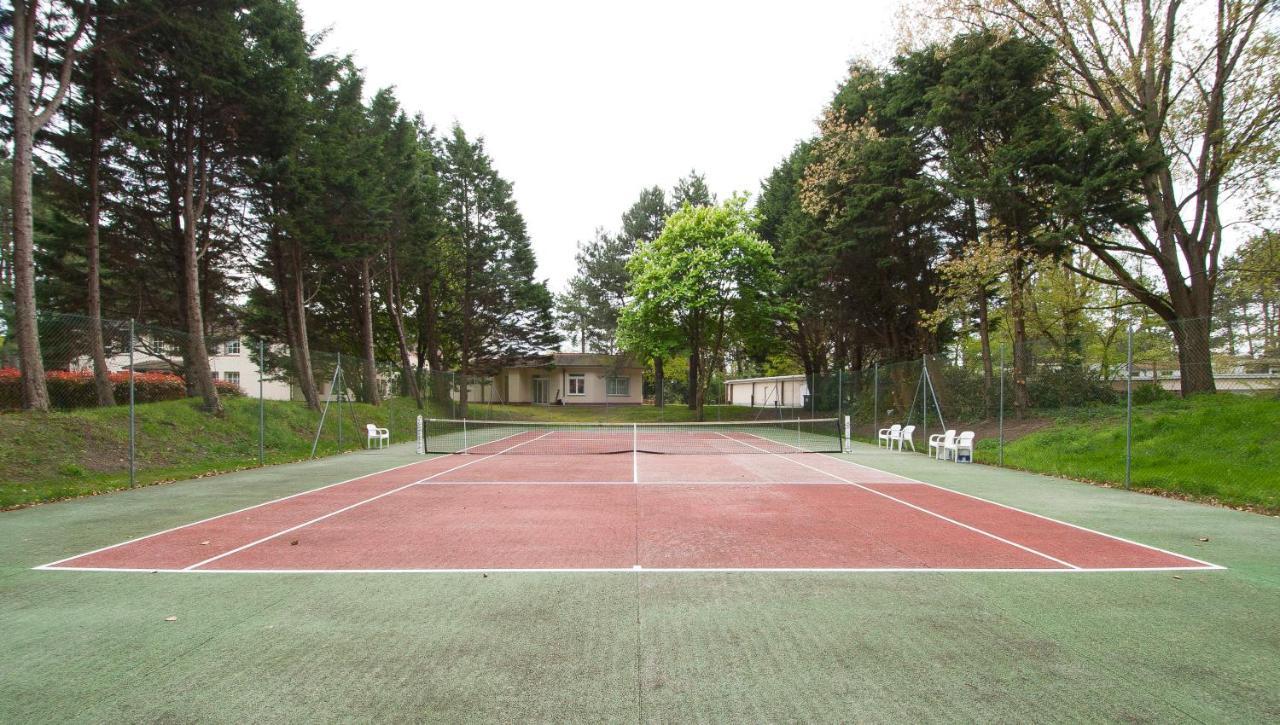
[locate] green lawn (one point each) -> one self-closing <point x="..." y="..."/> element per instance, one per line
<point x="1222" y="448"/>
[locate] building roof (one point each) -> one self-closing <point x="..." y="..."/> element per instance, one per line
<point x="774" y="379"/>
<point x="574" y="360"/>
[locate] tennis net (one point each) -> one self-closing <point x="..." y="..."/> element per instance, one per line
<point x="437" y="435"/>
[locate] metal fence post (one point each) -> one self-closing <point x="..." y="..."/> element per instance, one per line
<point x="1001" y="414"/>
<point x="925" y="389"/>
<point x="133" y="428"/>
<point x="342" y="382"/>
<point x="262" y="407"/>
<point x="1128" y="411"/>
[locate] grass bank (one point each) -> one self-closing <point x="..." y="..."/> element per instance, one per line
<point x="52" y="456"/>
<point x="1220" y="448"/>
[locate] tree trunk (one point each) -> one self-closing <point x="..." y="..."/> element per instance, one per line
<point x="1194" y="358"/>
<point x="430" y="344"/>
<point x="288" y="278"/>
<point x="101" y="376"/>
<point x="199" y="370"/>
<point x="693" y="377"/>
<point x="659" y="382"/>
<point x="35" y="395"/>
<point x="370" y="372"/>
<point x="397" y="321"/>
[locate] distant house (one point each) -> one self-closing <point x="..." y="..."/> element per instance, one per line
<point x="567" y="378"/>
<point x="779" y="391"/>
<point x="229" y="360"/>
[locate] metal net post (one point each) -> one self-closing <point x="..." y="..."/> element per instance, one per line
<point x="133" y="427"/>
<point x="262" y="406"/>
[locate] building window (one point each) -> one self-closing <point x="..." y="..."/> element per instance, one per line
<point x="232" y="377"/>
<point x="577" y="384"/>
<point x="617" y="386"/>
<point x="231" y="348"/>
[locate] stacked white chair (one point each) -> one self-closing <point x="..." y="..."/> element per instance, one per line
<point x="888" y="435"/>
<point x="939" y="441"/>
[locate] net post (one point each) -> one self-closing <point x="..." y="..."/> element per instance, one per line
<point x="875" y="399"/>
<point x="846" y="443"/>
<point x="262" y="406"/>
<point x="635" y="438"/>
<point x="464" y="436"/>
<point x="421" y="434"/>
<point x="133" y="420"/>
<point x="342" y="382"/>
<point x="1128" y="412"/>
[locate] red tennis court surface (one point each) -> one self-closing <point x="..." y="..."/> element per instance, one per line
<point x="627" y="512"/>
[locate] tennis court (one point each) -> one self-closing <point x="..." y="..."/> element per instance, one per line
<point x="623" y="497"/>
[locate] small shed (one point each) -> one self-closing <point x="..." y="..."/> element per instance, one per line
<point x="778" y="391"/>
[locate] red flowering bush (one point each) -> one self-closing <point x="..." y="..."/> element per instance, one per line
<point x="76" y="389"/>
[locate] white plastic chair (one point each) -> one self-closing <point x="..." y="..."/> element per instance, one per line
<point x="962" y="444"/>
<point x="939" y="441"/>
<point x="888" y="435"/>
<point x="381" y="435"/>
<point x="905" y="438"/>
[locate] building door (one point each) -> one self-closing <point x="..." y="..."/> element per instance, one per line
<point x="541" y="390"/>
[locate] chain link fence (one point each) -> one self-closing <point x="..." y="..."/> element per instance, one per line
<point x="126" y="400"/>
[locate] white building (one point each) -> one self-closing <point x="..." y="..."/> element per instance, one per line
<point x="229" y="360"/>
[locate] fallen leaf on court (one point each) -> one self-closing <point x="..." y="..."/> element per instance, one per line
<point x="170" y="619"/>
<point x="1175" y="576"/>
<point x="204" y="543"/>
<point x="293" y="543"/>
<point x="1204" y="538"/>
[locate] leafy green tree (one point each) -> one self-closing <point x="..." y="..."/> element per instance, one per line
<point x="707" y="279"/>
<point x="1134" y="65"/>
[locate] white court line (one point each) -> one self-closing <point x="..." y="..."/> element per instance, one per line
<point x="922" y="509"/>
<point x="1205" y="564"/>
<point x="354" y="505"/>
<point x="229" y="513"/>
<point x="753" y="482"/>
<point x="654" y="570"/>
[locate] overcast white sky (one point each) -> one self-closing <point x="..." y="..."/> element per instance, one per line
<point x="583" y="104"/>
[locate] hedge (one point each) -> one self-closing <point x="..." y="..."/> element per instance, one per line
<point x="76" y="389"/>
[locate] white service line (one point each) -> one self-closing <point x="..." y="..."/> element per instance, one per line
<point x="935" y="514"/>
<point x="354" y="505"/>
<point x="488" y="443"/>
<point x="229" y="513"/>
<point x="649" y="570"/>
<point x="1206" y="564"/>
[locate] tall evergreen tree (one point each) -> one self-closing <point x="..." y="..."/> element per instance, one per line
<point x="502" y="310"/>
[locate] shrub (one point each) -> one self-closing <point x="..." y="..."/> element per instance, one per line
<point x="76" y="389"/>
<point x="1150" y="393"/>
<point x="1067" y="386"/>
